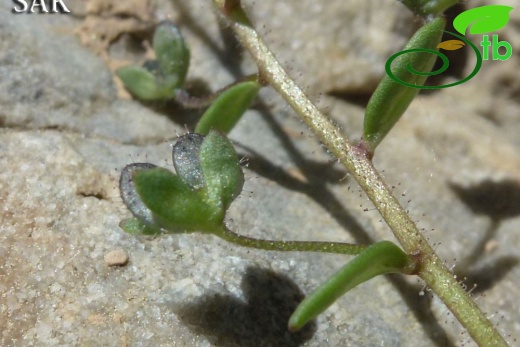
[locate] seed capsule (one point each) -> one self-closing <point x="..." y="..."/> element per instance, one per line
<point x="129" y="193"/>
<point x="186" y="159"/>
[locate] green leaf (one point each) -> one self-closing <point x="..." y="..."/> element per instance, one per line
<point x="135" y="226"/>
<point x="171" y="52"/>
<point x="143" y="84"/>
<point x="483" y="19"/>
<point x="391" y="99"/>
<point x="158" y="79"/>
<point x="228" y="107"/>
<point x="381" y="258"/>
<point x="223" y="176"/>
<point x="175" y="206"/>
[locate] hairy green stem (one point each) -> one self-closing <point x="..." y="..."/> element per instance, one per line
<point x="290" y="246"/>
<point x="431" y="268"/>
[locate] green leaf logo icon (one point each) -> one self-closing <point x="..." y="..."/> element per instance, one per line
<point x="483" y="19"/>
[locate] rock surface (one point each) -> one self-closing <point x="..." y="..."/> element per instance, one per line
<point x="452" y="158"/>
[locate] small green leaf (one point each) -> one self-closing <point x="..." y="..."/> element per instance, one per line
<point x="391" y="99"/>
<point x="171" y="52"/>
<point x="483" y="19"/>
<point x="381" y="258"/>
<point x="175" y="206"/>
<point x="158" y="79"/>
<point x="135" y="226"/>
<point x="228" y="107"/>
<point x="223" y="176"/>
<point x="143" y="84"/>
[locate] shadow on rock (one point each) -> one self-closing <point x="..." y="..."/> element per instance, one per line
<point x="486" y="276"/>
<point x="258" y="320"/>
<point x="499" y="201"/>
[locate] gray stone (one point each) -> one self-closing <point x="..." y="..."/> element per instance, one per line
<point x="51" y="81"/>
<point x="335" y="47"/>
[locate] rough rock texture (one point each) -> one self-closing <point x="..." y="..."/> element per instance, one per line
<point x="348" y="44"/>
<point x="452" y="158"/>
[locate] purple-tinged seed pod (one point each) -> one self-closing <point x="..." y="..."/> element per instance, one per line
<point x="186" y="159"/>
<point x="129" y="193"/>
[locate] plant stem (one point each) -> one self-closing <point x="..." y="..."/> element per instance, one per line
<point x="431" y="269"/>
<point x="290" y="246"/>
